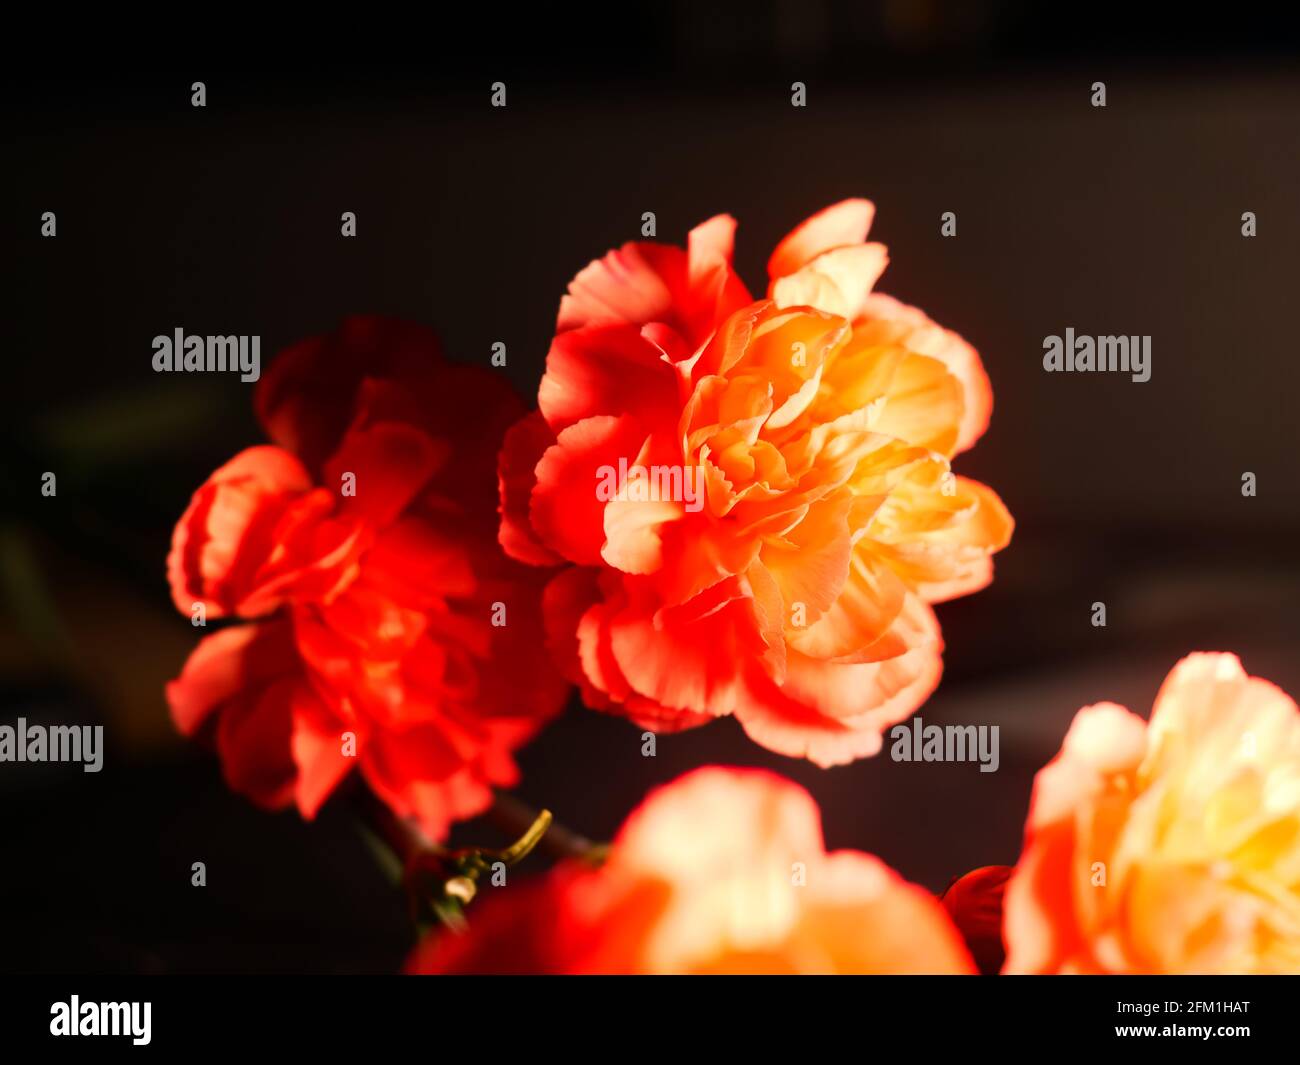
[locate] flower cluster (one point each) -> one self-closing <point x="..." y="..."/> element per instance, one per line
<point x="722" y="506"/>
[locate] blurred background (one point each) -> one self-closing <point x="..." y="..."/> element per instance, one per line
<point x="225" y="220"/>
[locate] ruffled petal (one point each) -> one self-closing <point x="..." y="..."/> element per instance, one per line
<point x="567" y="511"/>
<point x="521" y="450"/>
<point x="236" y="660"/>
<point x="886" y="320"/>
<point x="609" y="370"/>
<point x="846" y="222"/>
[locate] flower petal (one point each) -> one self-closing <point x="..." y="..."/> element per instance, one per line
<point x="846" y="222"/>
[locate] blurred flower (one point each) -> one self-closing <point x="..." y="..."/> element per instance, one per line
<point x="721" y="871"/>
<point x="1169" y="847"/>
<point x="752" y="501"/>
<point x="394" y="634"/>
<point x="974" y="902"/>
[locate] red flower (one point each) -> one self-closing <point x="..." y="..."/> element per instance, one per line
<point x="752" y="500"/>
<point x="721" y="871"/>
<point x="392" y="632"/>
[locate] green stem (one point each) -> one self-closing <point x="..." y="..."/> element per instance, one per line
<point x="512" y="817"/>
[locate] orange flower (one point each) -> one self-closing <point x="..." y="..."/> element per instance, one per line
<point x="721" y="871"/>
<point x="364" y="543"/>
<point x="1169" y="847"/>
<point x="752" y="501"/>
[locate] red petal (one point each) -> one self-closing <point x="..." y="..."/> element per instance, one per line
<point x="228" y="663"/>
<point x="567" y="514"/>
<point x="607" y="370"/>
<point x="390" y="462"/>
<point x="523" y="447"/>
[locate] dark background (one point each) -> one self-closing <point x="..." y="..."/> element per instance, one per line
<point x="473" y="219"/>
